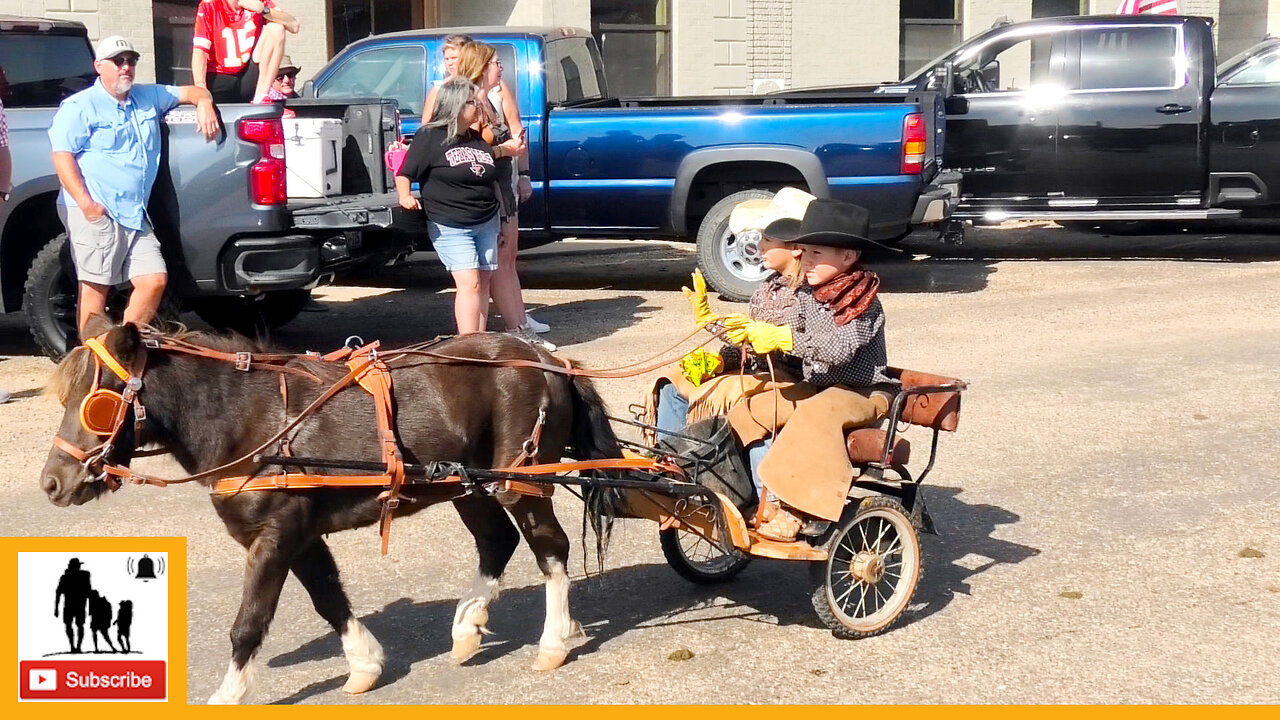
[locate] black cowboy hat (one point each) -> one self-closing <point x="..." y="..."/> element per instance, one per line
<point x="831" y="223"/>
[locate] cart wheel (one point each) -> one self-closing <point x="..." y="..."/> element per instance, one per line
<point x="698" y="560"/>
<point x="872" y="572"/>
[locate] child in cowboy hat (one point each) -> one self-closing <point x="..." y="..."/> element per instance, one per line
<point x="830" y="333"/>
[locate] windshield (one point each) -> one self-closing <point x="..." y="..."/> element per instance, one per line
<point x="40" y="69"/>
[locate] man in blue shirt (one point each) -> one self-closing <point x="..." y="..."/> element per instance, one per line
<point x="106" y="151"/>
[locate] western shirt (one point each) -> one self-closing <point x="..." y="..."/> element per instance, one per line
<point x="117" y="146"/>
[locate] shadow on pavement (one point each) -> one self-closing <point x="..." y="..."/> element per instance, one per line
<point x="652" y="595"/>
<point x="965" y="546"/>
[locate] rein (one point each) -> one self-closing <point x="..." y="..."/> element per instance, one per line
<point x="103" y="412"/>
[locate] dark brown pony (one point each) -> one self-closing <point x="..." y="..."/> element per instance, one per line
<point x="207" y="413"/>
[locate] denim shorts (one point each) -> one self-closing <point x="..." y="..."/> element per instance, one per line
<point x="466" y="247"/>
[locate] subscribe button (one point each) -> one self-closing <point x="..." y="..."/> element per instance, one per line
<point x="92" y="680"/>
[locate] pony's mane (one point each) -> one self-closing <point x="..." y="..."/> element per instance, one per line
<point x="224" y="342"/>
<point x="75" y="368"/>
<point x="71" y="371"/>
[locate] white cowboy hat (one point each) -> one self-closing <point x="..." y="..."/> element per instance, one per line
<point x="788" y="202"/>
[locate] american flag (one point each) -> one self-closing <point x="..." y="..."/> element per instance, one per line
<point x="1147" y="7"/>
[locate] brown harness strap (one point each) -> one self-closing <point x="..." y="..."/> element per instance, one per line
<point x="375" y="378"/>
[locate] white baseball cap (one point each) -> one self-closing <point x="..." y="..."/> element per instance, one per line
<point x="789" y="202"/>
<point x="113" y="45"/>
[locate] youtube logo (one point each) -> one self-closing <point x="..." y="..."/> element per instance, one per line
<point x="42" y="679"/>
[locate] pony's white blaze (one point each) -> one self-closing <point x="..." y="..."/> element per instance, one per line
<point x="558" y="627"/>
<point x="235" y="685"/>
<point x="471" y="619"/>
<point x="364" y="657"/>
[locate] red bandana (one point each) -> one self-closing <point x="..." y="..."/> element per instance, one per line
<point x="848" y="295"/>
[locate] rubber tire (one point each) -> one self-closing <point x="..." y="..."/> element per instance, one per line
<point x="819" y="571"/>
<point x="671" y="550"/>
<point x="51" y="295"/>
<point x="252" y="316"/>
<point x="719" y="276"/>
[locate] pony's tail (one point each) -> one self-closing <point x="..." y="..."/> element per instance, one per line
<point x="592" y="438"/>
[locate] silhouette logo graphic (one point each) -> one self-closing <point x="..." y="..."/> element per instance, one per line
<point x="77" y="635"/>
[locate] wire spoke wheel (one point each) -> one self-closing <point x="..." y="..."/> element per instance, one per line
<point x="699" y="560"/>
<point x="871" y="572"/>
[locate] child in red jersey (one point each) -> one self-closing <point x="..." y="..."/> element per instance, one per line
<point x="237" y="48"/>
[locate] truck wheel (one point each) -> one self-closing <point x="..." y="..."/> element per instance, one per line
<point x="252" y="316"/>
<point x="729" y="269"/>
<point x="51" y="296"/>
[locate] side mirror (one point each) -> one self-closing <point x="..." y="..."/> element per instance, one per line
<point x="308" y="89"/>
<point x="991" y="75"/>
<point x="942" y="79"/>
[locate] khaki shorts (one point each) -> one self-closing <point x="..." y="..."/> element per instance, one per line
<point x="105" y="253"/>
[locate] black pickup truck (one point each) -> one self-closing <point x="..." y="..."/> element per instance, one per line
<point x="240" y="252"/>
<point x="1109" y="118"/>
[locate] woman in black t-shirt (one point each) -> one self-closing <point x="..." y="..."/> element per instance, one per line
<point x="456" y="176"/>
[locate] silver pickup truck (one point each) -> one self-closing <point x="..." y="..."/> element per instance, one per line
<point x="240" y="252"/>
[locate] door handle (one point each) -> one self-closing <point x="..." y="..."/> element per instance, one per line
<point x="1173" y="109"/>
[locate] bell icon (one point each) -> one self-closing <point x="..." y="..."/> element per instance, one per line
<point x="146" y="569"/>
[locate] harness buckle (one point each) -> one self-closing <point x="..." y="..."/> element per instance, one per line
<point x="243" y="360"/>
<point x="150" y="342"/>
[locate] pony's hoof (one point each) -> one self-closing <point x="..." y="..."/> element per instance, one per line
<point x="549" y="660"/>
<point x="360" y="682"/>
<point x="465" y="648"/>
<point x="218" y="699"/>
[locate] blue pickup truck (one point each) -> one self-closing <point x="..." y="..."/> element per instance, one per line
<point x="673" y="167"/>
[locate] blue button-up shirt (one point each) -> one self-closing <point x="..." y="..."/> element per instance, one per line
<point x="116" y="146"/>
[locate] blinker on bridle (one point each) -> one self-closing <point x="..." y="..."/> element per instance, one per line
<point x="103" y="412"/>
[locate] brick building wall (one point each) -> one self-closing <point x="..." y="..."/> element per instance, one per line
<point x="769" y="43"/>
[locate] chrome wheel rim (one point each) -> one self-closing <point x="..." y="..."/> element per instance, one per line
<point x="741" y="257"/>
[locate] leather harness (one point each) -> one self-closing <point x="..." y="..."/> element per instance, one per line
<point x="103" y="412"/>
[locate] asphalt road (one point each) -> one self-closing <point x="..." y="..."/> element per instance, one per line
<point x="1107" y="508"/>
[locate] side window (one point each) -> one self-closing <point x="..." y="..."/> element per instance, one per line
<point x="40" y="69"/>
<point x="1261" y="70"/>
<point x="573" y="71"/>
<point x="394" y="72"/>
<point x="1009" y="64"/>
<point x="1128" y="57"/>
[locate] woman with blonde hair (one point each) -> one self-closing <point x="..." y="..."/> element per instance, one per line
<point x="479" y="63"/>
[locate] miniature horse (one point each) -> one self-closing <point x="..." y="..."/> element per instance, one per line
<point x="206" y="413"/>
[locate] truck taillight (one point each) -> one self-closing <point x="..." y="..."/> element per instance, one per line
<point x="267" y="176"/>
<point x="913" y="144"/>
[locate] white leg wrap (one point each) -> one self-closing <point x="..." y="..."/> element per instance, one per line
<point x="363" y="651"/>
<point x="472" y="615"/>
<point x="235" y="685"/>
<point x="364" y="657"/>
<point x="558" y="626"/>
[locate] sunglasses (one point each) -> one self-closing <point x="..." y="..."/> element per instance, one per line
<point x="291" y="76"/>
<point x="474" y="103"/>
<point x="122" y="60"/>
<point x="496" y="62"/>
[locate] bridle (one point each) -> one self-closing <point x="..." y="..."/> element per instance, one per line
<point x="103" y="413"/>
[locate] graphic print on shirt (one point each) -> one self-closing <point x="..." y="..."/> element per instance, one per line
<point x="463" y="155"/>
<point x="229" y="36"/>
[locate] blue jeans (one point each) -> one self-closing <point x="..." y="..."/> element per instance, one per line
<point x="672" y="410"/>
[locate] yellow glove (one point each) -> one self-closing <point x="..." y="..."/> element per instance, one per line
<point x="700" y="366"/>
<point x="697" y="298"/>
<point x="764" y="338"/>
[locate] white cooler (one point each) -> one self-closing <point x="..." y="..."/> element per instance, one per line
<point x="313" y="157"/>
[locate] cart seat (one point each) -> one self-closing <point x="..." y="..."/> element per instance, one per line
<point x="940" y="411"/>
<point x="866" y="445"/>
